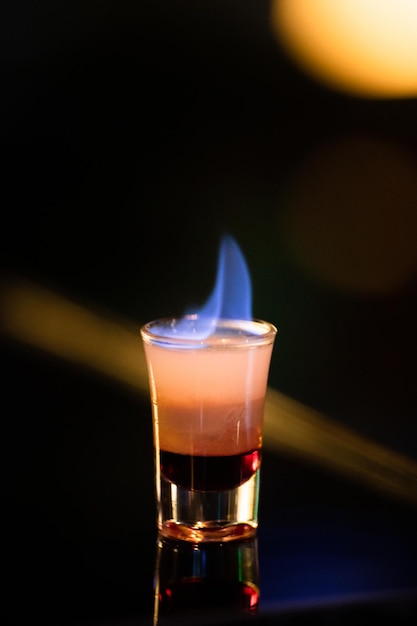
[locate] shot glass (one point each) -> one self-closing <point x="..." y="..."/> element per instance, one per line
<point x="207" y="394"/>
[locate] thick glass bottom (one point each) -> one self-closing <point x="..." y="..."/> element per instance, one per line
<point x="208" y="516"/>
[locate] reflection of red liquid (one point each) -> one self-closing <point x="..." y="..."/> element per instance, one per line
<point x="193" y="594"/>
<point x="209" y="473"/>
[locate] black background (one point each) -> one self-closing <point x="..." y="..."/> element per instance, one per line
<point x="134" y="135"/>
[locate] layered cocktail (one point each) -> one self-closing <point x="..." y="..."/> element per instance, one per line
<point x="208" y="391"/>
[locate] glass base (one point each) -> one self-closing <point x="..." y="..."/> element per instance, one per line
<point x="208" y="516"/>
<point x="206" y="533"/>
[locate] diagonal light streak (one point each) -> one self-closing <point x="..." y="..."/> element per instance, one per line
<point x="49" y="322"/>
<point x="293" y="428"/>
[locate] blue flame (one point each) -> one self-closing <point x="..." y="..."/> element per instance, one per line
<point x="230" y="299"/>
<point x="232" y="294"/>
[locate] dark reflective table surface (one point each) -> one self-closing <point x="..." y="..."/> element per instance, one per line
<point x="211" y="580"/>
<point x="80" y="546"/>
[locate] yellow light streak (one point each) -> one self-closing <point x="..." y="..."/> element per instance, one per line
<point x="293" y="428"/>
<point x="42" y="319"/>
<point x="39" y="318"/>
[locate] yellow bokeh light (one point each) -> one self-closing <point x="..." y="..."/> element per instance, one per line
<point x="351" y="218"/>
<point x="364" y="47"/>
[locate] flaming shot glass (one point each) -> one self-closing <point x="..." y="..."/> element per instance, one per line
<point x="208" y="392"/>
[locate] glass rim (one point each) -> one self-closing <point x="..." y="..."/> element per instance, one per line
<point x="240" y="333"/>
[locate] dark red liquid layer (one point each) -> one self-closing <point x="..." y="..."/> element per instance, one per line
<point x="209" y="473"/>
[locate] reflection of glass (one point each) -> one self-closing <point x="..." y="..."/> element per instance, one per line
<point x="208" y="400"/>
<point x="203" y="581"/>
